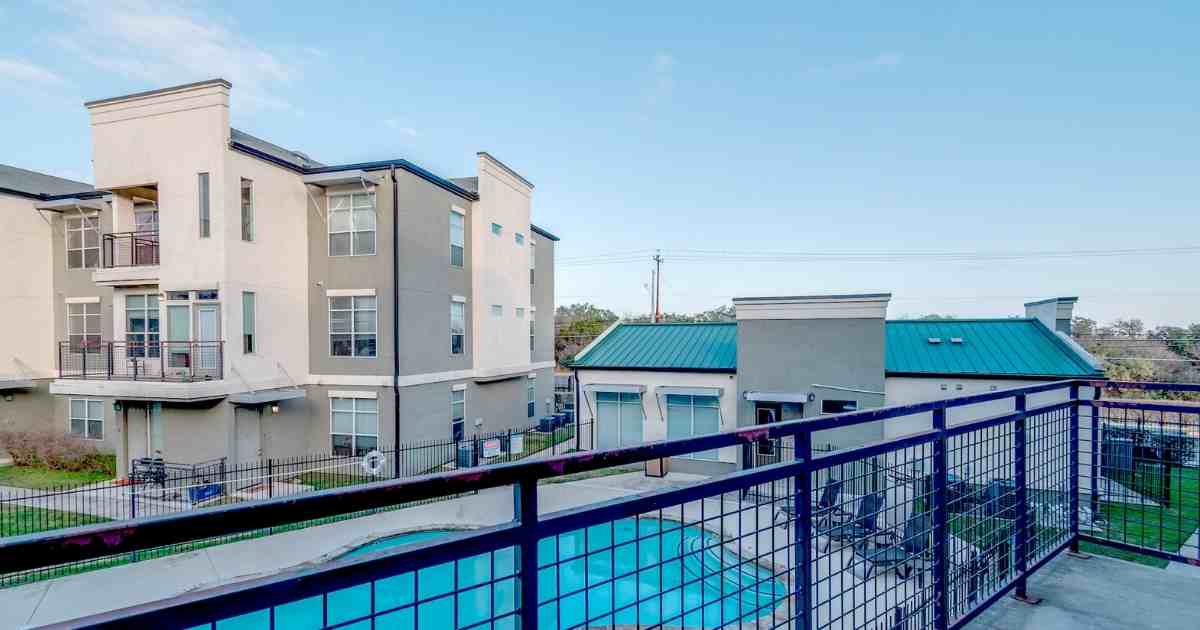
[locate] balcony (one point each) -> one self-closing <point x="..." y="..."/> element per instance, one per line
<point x="159" y="370"/>
<point x="128" y="259"/>
<point x="929" y="530"/>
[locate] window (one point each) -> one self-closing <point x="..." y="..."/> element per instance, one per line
<point x="838" y="406"/>
<point x="532" y="259"/>
<point x="458" y="413"/>
<point x="83" y="242"/>
<point x="142" y="325"/>
<point x="520" y="313"/>
<point x="87" y="419"/>
<point x="354" y="425"/>
<point x="352" y="224"/>
<point x="496" y="229"/>
<point x="688" y="416"/>
<point x="178" y="296"/>
<point x="497" y="311"/>
<point x="83" y="325"/>
<point x="458" y="327"/>
<point x="352" y="326"/>
<point x="247" y="322"/>
<point x="205" y="221"/>
<point x="247" y="210"/>
<point x="457" y="238"/>
<point x="519" y="238"/>
<point x="207" y="295"/>
<point x="530" y="397"/>
<point x="619" y="419"/>
<point x="531" y="333"/>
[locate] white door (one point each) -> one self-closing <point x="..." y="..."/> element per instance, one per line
<point x="208" y="331"/>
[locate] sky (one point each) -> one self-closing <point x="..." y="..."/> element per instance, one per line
<point x="965" y="158"/>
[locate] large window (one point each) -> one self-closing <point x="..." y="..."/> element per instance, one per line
<point x="531" y="330"/>
<point x="530" y="397"/>
<point x="141" y="325"/>
<point x="247" y="210"/>
<point x="352" y="224"/>
<point x="354" y="425"/>
<point x="205" y="219"/>
<point x="87" y="419"/>
<point x="458" y="413"/>
<point x="83" y="325"/>
<point x="457" y="238"/>
<point x="352" y="326"/>
<point x="83" y="241"/>
<point x="248" y="322"/>
<point x="532" y="261"/>
<point x="619" y="419"/>
<point x="458" y="327"/>
<point x="688" y="416"/>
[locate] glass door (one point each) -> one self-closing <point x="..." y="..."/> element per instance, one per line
<point x="179" y="333"/>
<point x="208" y="333"/>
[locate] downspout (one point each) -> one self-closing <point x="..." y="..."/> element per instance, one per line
<point x="577" y="409"/>
<point x="395" y="323"/>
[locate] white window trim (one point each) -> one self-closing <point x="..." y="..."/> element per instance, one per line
<point x="88" y="221"/>
<point x="454" y="301"/>
<point x="329" y="321"/>
<point x="329" y="224"/>
<point x="253" y="322"/>
<point x="458" y="298"/>
<point x="82" y="300"/>
<point x="352" y="394"/>
<point x="354" y="421"/>
<point x="350" y="293"/>
<point x="620" y="411"/>
<point x="692" y="423"/>
<point x="461" y="387"/>
<point x="86" y="419"/>
<point x="242" y="211"/>
<point x="458" y="210"/>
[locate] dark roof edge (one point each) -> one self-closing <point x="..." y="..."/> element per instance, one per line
<point x="505" y="167"/>
<point x="173" y="88"/>
<point x="988" y="375"/>
<point x="537" y="230"/>
<point x="1053" y="299"/>
<point x="22" y="193"/>
<point x="575" y="366"/>
<point x="365" y="166"/>
<point x="845" y="296"/>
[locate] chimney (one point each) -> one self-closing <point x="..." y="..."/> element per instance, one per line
<point x="1055" y="313"/>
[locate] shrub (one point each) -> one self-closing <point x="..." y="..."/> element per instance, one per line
<point x="55" y="451"/>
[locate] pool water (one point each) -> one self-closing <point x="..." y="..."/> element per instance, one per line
<point x="595" y="577"/>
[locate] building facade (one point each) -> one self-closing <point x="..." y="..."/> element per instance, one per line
<point x="217" y="295"/>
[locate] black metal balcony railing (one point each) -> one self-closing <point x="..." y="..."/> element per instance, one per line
<point x="130" y="249"/>
<point x="925" y="530"/>
<point x="174" y="361"/>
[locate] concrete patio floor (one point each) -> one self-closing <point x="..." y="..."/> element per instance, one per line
<point x="1101" y="594"/>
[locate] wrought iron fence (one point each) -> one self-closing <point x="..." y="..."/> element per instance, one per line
<point x="173" y="361"/>
<point x="926" y="530"/>
<point x="130" y="249"/>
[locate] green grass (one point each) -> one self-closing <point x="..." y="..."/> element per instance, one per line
<point x="326" y="480"/>
<point x="1162" y="528"/>
<point x="42" y="478"/>
<point x="17" y="520"/>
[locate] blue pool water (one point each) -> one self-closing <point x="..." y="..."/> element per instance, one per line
<point x="645" y="572"/>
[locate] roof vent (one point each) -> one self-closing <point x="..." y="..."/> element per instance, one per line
<point x="957" y="340"/>
<point x="935" y="340"/>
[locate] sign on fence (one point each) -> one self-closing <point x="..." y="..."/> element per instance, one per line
<point x="516" y="444"/>
<point x="491" y="448"/>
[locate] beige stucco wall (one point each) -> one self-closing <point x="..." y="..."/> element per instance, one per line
<point x="26" y="318"/>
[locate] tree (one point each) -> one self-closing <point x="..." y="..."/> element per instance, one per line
<point x="1083" y="327"/>
<point x="1131" y="328"/>
<point x="575" y="326"/>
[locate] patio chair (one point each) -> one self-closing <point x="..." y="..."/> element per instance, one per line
<point x="825" y="510"/>
<point x="862" y="526"/>
<point x="902" y="552"/>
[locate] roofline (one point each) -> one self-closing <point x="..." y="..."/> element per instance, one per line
<point x="989" y="375"/>
<point x="588" y="348"/>
<point x="22" y="193"/>
<point x="728" y="322"/>
<point x="611" y="368"/>
<point x="505" y="167"/>
<point x="1066" y="347"/>
<point x="173" y="88"/>
<point x="965" y="320"/>
<point x="537" y="230"/>
<point x="844" y="296"/>
<point x="1071" y="299"/>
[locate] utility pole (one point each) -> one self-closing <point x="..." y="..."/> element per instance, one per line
<point x="657" y="286"/>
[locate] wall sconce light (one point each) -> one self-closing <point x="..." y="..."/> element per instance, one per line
<point x="275" y="408"/>
<point x="116" y="406"/>
<point x="8" y="397"/>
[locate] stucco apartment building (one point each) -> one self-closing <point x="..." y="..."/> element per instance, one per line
<point x="215" y="295"/>
<point x="805" y="356"/>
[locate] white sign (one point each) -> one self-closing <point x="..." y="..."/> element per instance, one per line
<point x="491" y="448"/>
<point x="516" y="443"/>
<point x="374" y="463"/>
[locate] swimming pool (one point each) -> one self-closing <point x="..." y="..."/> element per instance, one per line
<point x="628" y="572"/>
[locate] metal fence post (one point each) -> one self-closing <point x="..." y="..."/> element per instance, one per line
<point x="1073" y="497"/>
<point x="1022" y="517"/>
<point x="802" y="533"/>
<point x="270" y="478"/>
<point x="941" y="584"/>
<point x="525" y="505"/>
<point x="1096" y="447"/>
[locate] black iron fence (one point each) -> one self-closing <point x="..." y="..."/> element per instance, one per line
<point x="173" y="361"/>
<point x="130" y="249"/>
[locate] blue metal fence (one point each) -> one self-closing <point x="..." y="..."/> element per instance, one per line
<point x="925" y="530"/>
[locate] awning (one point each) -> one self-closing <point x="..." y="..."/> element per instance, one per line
<point x="12" y="383"/>
<point x="783" y="397"/>
<point x="688" y="391"/>
<point x="63" y="205"/>
<point x="338" y="178"/>
<point x="614" y="389"/>
<point x="265" y="396"/>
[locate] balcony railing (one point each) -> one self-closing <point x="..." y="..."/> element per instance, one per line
<point x="926" y="530"/>
<point x="130" y="249"/>
<point x="172" y="361"/>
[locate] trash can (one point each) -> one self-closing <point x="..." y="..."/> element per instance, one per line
<point x="560" y="420"/>
<point x="657" y="467"/>
<point x="546" y="424"/>
<point x="467" y="457"/>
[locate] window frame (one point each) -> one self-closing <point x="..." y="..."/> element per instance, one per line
<point x="250" y="339"/>
<point x="532" y="261"/>
<point x="462" y="237"/>
<point x="497" y="229"/>
<point x="352" y="334"/>
<point x="354" y="434"/>
<point x="691" y="406"/>
<point x="149" y="349"/>
<point x="824" y="402"/>
<point x="329" y="198"/>
<point x="519" y="239"/>
<point x="88" y="222"/>
<point x="247" y="214"/>
<point x="497" y="311"/>
<point x="532" y="332"/>
<point x="531" y="397"/>
<point x="462" y="306"/>
<point x="85" y="334"/>
<point x="86" y="418"/>
<point x="461" y="421"/>
<point x="204" y="204"/>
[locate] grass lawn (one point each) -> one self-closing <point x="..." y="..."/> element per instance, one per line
<point x="17" y="520"/>
<point x="1160" y="528"/>
<point x="326" y="480"/>
<point x="43" y="478"/>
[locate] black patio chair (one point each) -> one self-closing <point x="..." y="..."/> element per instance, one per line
<point x="902" y="552"/>
<point x="864" y="525"/>
<point x="825" y="510"/>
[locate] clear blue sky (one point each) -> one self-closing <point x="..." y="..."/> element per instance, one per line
<point x="872" y="127"/>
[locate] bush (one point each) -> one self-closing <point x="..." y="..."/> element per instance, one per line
<point x="56" y="451"/>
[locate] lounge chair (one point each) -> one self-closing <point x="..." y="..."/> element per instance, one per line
<point x="902" y="552"/>
<point x="862" y="526"/>
<point x="825" y="510"/>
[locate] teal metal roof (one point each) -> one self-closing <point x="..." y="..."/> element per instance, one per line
<point x="990" y="347"/>
<point x="710" y="347"/>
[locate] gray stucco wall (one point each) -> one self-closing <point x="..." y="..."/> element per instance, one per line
<point x="426" y="277"/>
<point x="543" y="300"/>
<point x="77" y="282"/>
<point x="795" y="355"/>
<point x="30" y="410"/>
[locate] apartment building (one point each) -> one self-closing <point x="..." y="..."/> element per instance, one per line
<point x="217" y="295"/>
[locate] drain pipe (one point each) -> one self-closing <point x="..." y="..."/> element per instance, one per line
<point x="395" y="324"/>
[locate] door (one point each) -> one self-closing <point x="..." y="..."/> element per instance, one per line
<point x="208" y="332"/>
<point x="137" y="431"/>
<point x="248" y="437"/>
